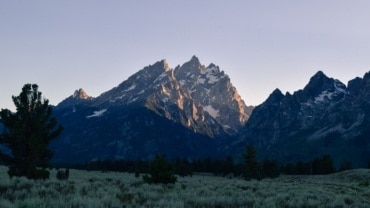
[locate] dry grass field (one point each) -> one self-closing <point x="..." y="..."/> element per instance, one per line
<point x="97" y="189"/>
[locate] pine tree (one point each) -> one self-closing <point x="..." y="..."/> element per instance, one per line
<point x="27" y="133"/>
<point x="346" y="165"/>
<point x="323" y="165"/>
<point x="250" y="164"/>
<point x="270" y="169"/>
<point x="160" y="172"/>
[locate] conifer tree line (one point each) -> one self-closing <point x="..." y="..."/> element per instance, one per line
<point x="250" y="168"/>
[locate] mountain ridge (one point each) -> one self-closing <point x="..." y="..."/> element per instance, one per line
<point x="198" y="98"/>
<point x="325" y="117"/>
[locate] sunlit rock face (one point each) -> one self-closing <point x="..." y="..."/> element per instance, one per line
<point x="212" y="90"/>
<point x="191" y="106"/>
<point x="81" y="94"/>
<point x="78" y="97"/>
<point x="200" y="98"/>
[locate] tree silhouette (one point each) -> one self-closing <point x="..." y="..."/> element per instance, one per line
<point x="250" y="164"/>
<point x="323" y="165"/>
<point x="27" y="133"/>
<point x="160" y="171"/>
<point x="346" y="165"/>
<point x="270" y="169"/>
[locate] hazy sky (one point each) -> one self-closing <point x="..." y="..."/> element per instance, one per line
<point x="262" y="45"/>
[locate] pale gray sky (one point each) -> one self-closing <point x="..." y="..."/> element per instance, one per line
<point x="262" y="45"/>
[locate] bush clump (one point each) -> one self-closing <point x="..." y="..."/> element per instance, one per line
<point x="63" y="174"/>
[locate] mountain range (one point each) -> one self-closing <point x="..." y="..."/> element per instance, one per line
<point x="325" y="117"/>
<point x="194" y="111"/>
<point x="182" y="112"/>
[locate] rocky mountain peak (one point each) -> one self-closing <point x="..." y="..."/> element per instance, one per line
<point x="360" y="86"/>
<point x="275" y="97"/>
<point x="212" y="65"/>
<point x="194" y="60"/>
<point x="81" y="94"/>
<point x="354" y="85"/>
<point x="78" y="97"/>
<point x="211" y="88"/>
<point x="189" y="68"/>
<point x="318" y="83"/>
<point x="367" y="76"/>
<point x="166" y="66"/>
<point x="321" y="88"/>
<point x="158" y="68"/>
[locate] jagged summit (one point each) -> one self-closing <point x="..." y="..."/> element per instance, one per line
<point x="213" y="90"/>
<point x="275" y="96"/>
<point x="166" y="66"/>
<point x="321" y="88"/>
<point x="78" y="97"/>
<point x="360" y="86"/>
<point x="194" y="59"/>
<point x="212" y="65"/>
<point x="318" y="82"/>
<point x="192" y="66"/>
<point x="354" y="85"/>
<point x="158" y="68"/>
<point x="81" y="94"/>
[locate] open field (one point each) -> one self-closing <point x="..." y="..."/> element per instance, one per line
<point x="97" y="189"/>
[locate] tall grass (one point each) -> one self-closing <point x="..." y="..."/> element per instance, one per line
<point x="97" y="189"/>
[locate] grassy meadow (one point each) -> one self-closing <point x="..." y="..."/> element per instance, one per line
<point x="97" y="189"/>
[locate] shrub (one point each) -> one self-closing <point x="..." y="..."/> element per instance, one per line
<point x="63" y="174"/>
<point x="346" y="165"/>
<point x="40" y="174"/>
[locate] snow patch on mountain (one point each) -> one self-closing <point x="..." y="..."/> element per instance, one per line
<point x="212" y="74"/>
<point x="211" y="111"/>
<point x="340" y="87"/>
<point x="97" y="113"/>
<point x="130" y="88"/>
<point x="160" y="77"/>
<point x="131" y="100"/>
<point x="325" y="95"/>
<point x="200" y="81"/>
<point x="328" y="95"/>
<point x="212" y="79"/>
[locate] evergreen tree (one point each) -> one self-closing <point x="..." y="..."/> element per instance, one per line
<point x="270" y="169"/>
<point x="160" y="172"/>
<point x="289" y="169"/>
<point x="323" y="165"/>
<point x="227" y="166"/>
<point x="27" y="133"/>
<point x="250" y="164"/>
<point x="346" y="165"/>
<point x="183" y="167"/>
